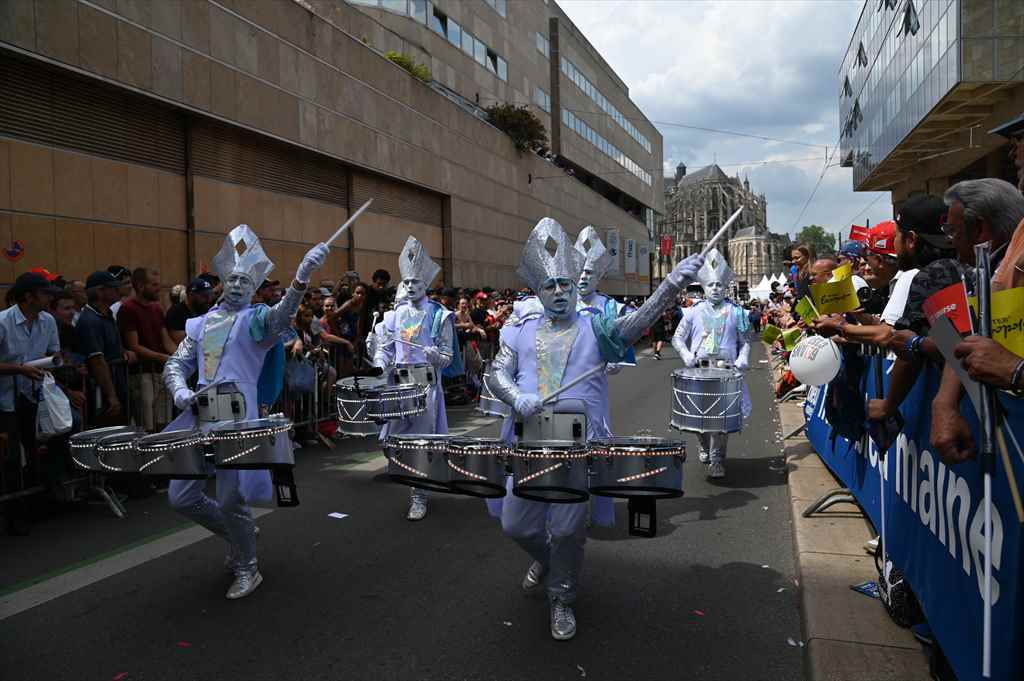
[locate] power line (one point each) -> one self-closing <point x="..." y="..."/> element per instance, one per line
<point x="817" y="184"/>
<point x="865" y="208"/>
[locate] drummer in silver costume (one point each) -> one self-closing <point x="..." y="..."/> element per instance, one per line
<point x="227" y="346"/>
<point x="716" y="330"/>
<point x="417" y="319"/>
<point x="539" y="354"/>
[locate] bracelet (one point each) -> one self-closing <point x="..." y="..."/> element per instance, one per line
<point x="1016" y="375"/>
<point x="914" y="344"/>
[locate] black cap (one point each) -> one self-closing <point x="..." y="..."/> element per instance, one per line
<point x="210" y="277"/>
<point x="922" y="213"/>
<point x="102" y="278"/>
<point x="33" y="281"/>
<point x="268" y="282"/>
<point x="1011" y="128"/>
<point x="199" y="285"/>
<point x="119" y="271"/>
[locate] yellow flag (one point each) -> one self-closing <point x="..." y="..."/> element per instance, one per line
<point x="844" y="271"/>
<point x="805" y="308"/>
<point x="1007" y="318"/>
<point x="835" y="296"/>
<point x="791" y="337"/>
<point x="770" y="334"/>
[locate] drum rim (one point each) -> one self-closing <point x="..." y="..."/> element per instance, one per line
<point x="163" y="438"/>
<point x="96" y="434"/>
<point x="621" y="492"/>
<point x="431" y="484"/>
<point x="239" y="430"/>
<point x="725" y="373"/>
<point x="460" y="487"/>
<point x="581" y="496"/>
<point x="659" y="445"/>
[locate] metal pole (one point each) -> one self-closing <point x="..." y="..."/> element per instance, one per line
<point x="985" y="414"/>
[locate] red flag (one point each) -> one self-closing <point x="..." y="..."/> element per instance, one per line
<point x="858" y="233"/>
<point x="666" y="244"/>
<point x="952" y="302"/>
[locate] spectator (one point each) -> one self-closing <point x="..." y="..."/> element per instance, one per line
<point x="144" y="332"/>
<point x="269" y="293"/>
<point x="124" y="278"/>
<point x="465" y="328"/>
<point x="802" y="256"/>
<point x="821" y="270"/>
<point x="77" y="289"/>
<point x="215" y="282"/>
<point x="99" y="341"/>
<point x="271" y="380"/>
<point x="755" y="316"/>
<point x="198" y="299"/>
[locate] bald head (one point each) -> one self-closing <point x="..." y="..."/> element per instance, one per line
<point x="821" y="270"/>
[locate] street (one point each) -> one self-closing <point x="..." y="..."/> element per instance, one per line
<point x="371" y="595"/>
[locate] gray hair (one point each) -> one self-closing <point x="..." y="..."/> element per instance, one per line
<point x="996" y="201"/>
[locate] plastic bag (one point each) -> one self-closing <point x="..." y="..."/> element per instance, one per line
<point x="53" y="417"/>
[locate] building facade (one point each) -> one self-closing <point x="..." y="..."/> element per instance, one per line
<point x="139" y="133"/>
<point x="697" y="205"/>
<point x="755" y="252"/>
<point x="920" y="86"/>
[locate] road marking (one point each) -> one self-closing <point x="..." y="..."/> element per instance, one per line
<point x="80" y="575"/>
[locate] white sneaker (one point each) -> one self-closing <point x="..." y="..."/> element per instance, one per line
<point x="716" y="470"/>
<point x="232" y="557"/>
<point x="563" y="621"/>
<point x="533" y="579"/>
<point x="417" y="510"/>
<point x="245" y="583"/>
<point x="704" y="457"/>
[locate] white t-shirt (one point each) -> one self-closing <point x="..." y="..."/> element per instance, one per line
<point x="898" y="298"/>
<point x="114" y="308"/>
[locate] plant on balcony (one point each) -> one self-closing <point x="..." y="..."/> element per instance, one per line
<point x="518" y="122"/>
<point x="421" y="71"/>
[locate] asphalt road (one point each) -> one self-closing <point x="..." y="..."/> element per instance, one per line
<point x="374" y="596"/>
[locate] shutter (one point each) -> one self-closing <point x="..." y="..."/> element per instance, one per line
<point x="224" y="152"/>
<point x="396" y="198"/>
<point x="45" y="105"/>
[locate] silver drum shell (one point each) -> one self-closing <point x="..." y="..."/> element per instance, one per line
<point x="256" y="444"/>
<point x="83" y="446"/>
<point x="489" y="404"/>
<point x="550" y="471"/>
<point x="353" y="400"/>
<point x="177" y="454"/>
<point x="707" y="400"/>
<point x="477" y="466"/>
<point x="418" y="461"/>
<point x="628" y="467"/>
<point x="398" y="402"/>
<point x="116" y="453"/>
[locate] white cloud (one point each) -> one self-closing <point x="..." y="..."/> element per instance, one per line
<point x="766" y="68"/>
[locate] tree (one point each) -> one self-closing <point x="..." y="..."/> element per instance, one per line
<point x="819" y="241"/>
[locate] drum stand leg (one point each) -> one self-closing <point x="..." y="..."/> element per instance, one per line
<point x="643" y="517"/>
<point x="838" y="495"/>
<point x="98" y="485"/>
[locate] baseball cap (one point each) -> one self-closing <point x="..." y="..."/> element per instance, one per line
<point x="924" y="214"/>
<point x="852" y="249"/>
<point x="199" y="285"/>
<point x="210" y="277"/>
<point x="33" y="281"/>
<point x="119" y="271"/>
<point x="45" y="272"/>
<point x="882" y="238"/>
<point x="102" y="278"/>
<point x="268" y="282"/>
<point x="481" y="296"/>
<point x="1011" y="128"/>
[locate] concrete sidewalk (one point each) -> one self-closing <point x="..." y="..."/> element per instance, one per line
<point x="849" y="636"/>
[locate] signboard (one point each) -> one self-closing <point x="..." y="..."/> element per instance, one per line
<point x="630" y="257"/>
<point x="666" y="245"/>
<point x="644" y="261"/>
<point x="612" y="244"/>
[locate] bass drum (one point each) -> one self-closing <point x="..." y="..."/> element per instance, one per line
<point x="707" y="400"/>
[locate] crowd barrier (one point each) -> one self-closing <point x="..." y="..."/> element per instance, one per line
<point x="934" y="521"/>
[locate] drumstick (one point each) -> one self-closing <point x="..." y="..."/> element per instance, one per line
<point x="718" y="235"/>
<point x="349" y="222"/>
<point x="579" y="379"/>
<point x="421" y="347"/>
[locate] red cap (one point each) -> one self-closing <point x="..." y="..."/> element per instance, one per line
<point x="481" y="296"/>
<point x="882" y="238"/>
<point x="45" y="272"/>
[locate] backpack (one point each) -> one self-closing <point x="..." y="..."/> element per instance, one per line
<point x="844" y="403"/>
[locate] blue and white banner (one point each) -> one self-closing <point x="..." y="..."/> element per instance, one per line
<point x="934" y="519"/>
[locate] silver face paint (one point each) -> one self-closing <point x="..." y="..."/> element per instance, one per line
<point x="415" y="289"/>
<point x="558" y="296"/>
<point x="714" y="291"/>
<point x="238" y="290"/>
<point x="586" y="283"/>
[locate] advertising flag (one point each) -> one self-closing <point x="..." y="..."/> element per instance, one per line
<point x="666" y="245"/>
<point x="770" y="334"/>
<point x="613" y="248"/>
<point x="835" y="296"/>
<point x="644" y="260"/>
<point x="805" y="308"/>
<point x="844" y="271"/>
<point x="952" y="302"/>
<point x="630" y="258"/>
<point x="1007" y="319"/>
<point x="858" y="233"/>
<point x="790" y="337"/>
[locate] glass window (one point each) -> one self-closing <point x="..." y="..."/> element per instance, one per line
<point x="397" y="6"/>
<point x="544" y="47"/>
<point x="454" y="33"/>
<point x="491" y="62"/>
<point x="479" y="52"/>
<point x="371" y="3"/>
<point x="418" y="10"/>
<point x="500" y="5"/>
<point x="438" y="19"/>
<point x="467" y="43"/>
<point x="503" y="74"/>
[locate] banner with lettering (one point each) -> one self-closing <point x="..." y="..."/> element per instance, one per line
<point x="613" y="248"/>
<point x="630" y="258"/>
<point x="934" y="522"/>
<point x="643" y="260"/>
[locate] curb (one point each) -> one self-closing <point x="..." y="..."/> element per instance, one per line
<point x="849" y="636"/>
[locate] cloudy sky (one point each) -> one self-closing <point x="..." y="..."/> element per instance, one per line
<point x="765" y="68"/>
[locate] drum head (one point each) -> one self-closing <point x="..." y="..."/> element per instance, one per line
<point x="254" y="427"/>
<point x="169" y="437"/>
<point x="95" y="434"/>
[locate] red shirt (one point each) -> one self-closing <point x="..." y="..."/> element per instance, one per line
<point x="146" y="319"/>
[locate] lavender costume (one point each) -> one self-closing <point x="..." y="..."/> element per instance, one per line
<point x="536" y="356"/>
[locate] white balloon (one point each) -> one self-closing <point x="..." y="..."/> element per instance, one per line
<point x="815" y="360"/>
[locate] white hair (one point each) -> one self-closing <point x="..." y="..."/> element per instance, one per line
<point x="996" y="201"/>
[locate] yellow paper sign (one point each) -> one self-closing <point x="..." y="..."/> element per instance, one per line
<point x="1007" y="318"/>
<point x="835" y="296"/>
<point x="770" y="334"/>
<point x="844" y="271"/>
<point x="805" y="308"/>
<point x="791" y="337"/>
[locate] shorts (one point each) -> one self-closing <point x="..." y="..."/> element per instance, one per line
<point x="150" y="401"/>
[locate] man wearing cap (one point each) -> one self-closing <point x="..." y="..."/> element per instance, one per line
<point x="124" y="279"/>
<point x="198" y="299"/>
<point x="27" y="332"/>
<point x="99" y="341"/>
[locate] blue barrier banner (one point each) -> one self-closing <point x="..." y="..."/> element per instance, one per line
<point x="934" y="518"/>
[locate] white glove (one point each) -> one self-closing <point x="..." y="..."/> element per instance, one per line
<point x="433" y="355"/>
<point x="528" y="404"/>
<point x="612" y="369"/>
<point x="686" y="271"/>
<point x="311" y="262"/>
<point x="741" y="364"/>
<point x="183" y="398"/>
<point x="690" y="361"/>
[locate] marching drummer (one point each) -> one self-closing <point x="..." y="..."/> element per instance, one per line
<point x="715" y="332"/>
<point x="537" y="356"/>
<point x="227" y="346"/>
<point x="420" y="334"/>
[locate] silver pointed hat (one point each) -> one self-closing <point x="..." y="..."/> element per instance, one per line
<point x="597" y="258"/>
<point x="548" y="254"/>
<point x="715" y="268"/>
<point x="415" y="263"/>
<point x="242" y="253"/>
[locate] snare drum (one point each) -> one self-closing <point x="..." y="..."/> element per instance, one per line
<point x="83" y="445"/>
<point x="627" y="467"/>
<point x="415" y="374"/>
<point x="551" y="471"/>
<point x="354" y="396"/>
<point x="254" y="444"/>
<point x="476" y="466"/>
<point x="177" y="454"/>
<point x="489" y="404"/>
<point x="418" y="461"/>
<point x="707" y="400"/>
<point x="116" y="452"/>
